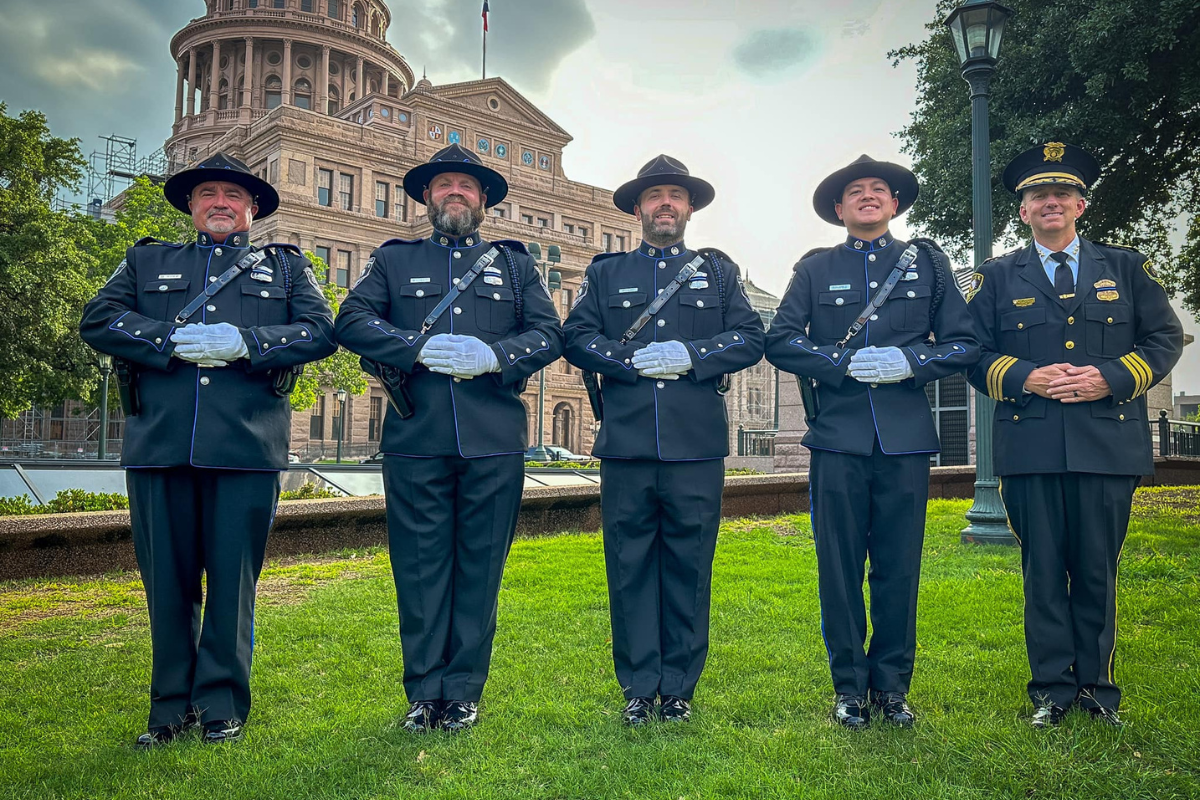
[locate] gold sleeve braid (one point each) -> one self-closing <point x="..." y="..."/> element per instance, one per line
<point x="1143" y="376"/>
<point x="995" y="376"/>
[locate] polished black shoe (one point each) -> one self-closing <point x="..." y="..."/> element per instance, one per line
<point x="893" y="706"/>
<point x="1105" y="716"/>
<point x="638" y="711"/>
<point x="223" y="731"/>
<point x="1048" y="716"/>
<point x="675" y="709"/>
<point x="423" y="716"/>
<point x="165" y="734"/>
<point x="852" y="711"/>
<point x="459" y="715"/>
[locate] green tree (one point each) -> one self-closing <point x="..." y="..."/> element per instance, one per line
<point x="47" y="268"/>
<point x="1119" y="79"/>
<point x="340" y="370"/>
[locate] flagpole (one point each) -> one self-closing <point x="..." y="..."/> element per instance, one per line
<point x="485" y="54"/>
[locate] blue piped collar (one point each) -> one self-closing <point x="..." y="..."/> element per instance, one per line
<point x="867" y="245"/>
<point x="654" y="251"/>
<point x="234" y="239"/>
<point x="446" y="240"/>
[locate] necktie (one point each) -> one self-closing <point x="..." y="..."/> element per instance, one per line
<point x="1064" y="282"/>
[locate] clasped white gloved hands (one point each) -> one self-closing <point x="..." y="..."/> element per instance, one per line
<point x="209" y="345"/>
<point x="458" y="355"/>
<point x="880" y="365"/>
<point x="666" y="360"/>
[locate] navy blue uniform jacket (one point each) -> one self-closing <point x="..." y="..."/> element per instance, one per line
<point x="381" y="320"/>
<point x="679" y="420"/>
<point x="1120" y="321"/>
<point x="828" y="290"/>
<point x="209" y="417"/>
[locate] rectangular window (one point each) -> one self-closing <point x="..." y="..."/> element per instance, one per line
<point x="381" y="199"/>
<point x="316" y="423"/>
<point x="527" y="219"/>
<point x="278" y="3"/>
<point x="543" y="222"/>
<point x="607" y="240"/>
<point x="323" y="254"/>
<point x="499" y="212"/>
<point x="343" y="269"/>
<point x="568" y="227"/>
<point x="583" y="232"/>
<point x="325" y="187"/>
<point x="333" y="8"/>
<point x="375" y="423"/>
<point x="401" y="204"/>
<point x="621" y="243"/>
<point x="346" y="191"/>
<point x="306" y="5"/>
<point x="254" y="3"/>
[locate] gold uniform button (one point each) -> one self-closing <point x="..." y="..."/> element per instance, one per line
<point x="1070" y="320"/>
<point x="1020" y="325"/>
<point x="1070" y="345"/>
<point x="1121" y="416"/>
<point x="1110" y="320"/>
<point x="1016" y="417"/>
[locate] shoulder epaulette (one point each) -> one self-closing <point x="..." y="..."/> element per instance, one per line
<point x="813" y="252"/>
<point x="283" y="246"/>
<point x="401" y="241"/>
<point x="1119" y="247"/>
<point x="596" y="259"/>
<point x="512" y="244"/>
<point x="151" y="240"/>
<point x="1014" y="251"/>
<point x="706" y="251"/>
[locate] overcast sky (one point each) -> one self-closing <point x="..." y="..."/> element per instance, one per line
<point x="762" y="98"/>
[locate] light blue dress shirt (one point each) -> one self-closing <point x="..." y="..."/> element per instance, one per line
<point x="1049" y="264"/>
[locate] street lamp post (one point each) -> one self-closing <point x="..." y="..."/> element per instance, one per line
<point x="977" y="28"/>
<point x="105" y="362"/>
<point x="341" y="397"/>
<point x="553" y="279"/>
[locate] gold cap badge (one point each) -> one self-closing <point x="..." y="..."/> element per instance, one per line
<point x="1054" y="151"/>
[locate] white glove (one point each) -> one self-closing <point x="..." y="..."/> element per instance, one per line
<point x="209" y="345"/>
<point x="880" y="365"/>
<point x="663" y="360"/>
<point x="457" y="355"/>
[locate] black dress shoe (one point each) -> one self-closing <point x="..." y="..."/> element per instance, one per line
<point x="223" y="731"/>
<point x="459" y="715"/>
<point x="675" y="709"/>
<point x="165" y="734"/>
<point x="1105" y="716"/>
<point x="1048" y="716"/>
<point x="423" y="716"/>
<point x="852" y="711"/>
<point x="638" y="711"/>
<point x="893" y="706"/>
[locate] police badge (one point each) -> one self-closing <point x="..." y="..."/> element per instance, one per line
<point x="976" y="285"/>
<point x="583" y="287"/>
<point x="366" y="270"/>
<point x="120" y="268"/>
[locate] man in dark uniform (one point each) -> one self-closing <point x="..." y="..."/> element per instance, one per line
<point x="873" y="434"/>
<point x="1073" y="334"/>
<point x="204" y="451"/>
<point x="665" y="433"/>
<point x="454" y="471"/>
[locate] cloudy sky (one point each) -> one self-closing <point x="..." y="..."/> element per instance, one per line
<point x="763" y="98"/>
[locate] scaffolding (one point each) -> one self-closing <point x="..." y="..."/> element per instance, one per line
<point x="111" y="170"/>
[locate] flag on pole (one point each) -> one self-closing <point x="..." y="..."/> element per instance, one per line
<point x="485" y="13"/>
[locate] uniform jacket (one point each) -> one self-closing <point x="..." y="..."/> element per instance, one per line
<point x="668" y="420"/>
<point x="381" y="320"/>
<point x="1120" y="320"/>
<point x="828" y="290"/>
<point x="209" y="417"/>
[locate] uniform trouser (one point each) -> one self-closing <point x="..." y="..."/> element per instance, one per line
<point x="451" y="522"/>
<point x="869" y="506"/>
<point x="660" y="532"/>
<point x="1071" y="527"/>
<point x="189" y="522"/>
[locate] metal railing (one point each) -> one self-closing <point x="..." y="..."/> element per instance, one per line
<point x="1176" y="437"/>
<point x="756" y="442"/>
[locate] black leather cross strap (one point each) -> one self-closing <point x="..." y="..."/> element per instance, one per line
<point x="460" y="286"/>
<point x="906" y="260"/>
<point x="689" y="269"/>
<point x="248" y="261"/>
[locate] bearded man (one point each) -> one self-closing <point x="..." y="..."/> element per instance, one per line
<point x="453" y="325"/>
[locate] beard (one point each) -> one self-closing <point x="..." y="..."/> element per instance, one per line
<point x="664" y="232"/>
<point x="459" y="221"/>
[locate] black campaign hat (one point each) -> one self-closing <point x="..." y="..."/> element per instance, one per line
<point x="1051" y="163"/>
<point x="455" y="159"/>
<point x="664" y="171"/>
<point x="829" y="191"/>
<point x="221" y="167"/>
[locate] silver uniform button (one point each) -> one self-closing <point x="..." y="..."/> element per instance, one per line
<point x="264" y="293"/>
<point x="458" y="380"/>
<point x="912" y="293"/>
<point x="874" y="317"/>
<point x="495" y="295"/>
<point x="163" y="288"/>
<point x="625" y="304"/>
<point x="420" y="292"/>
<point x="217" y="252"/>
<point x="457" y="254"/>
<point x="662" y="265"/>
<point x="457" y="310"/>
<point x="735" y="338"/>
<point x="210" y="308"/>
<point x="871" y="257"/>
<point x="204" y="381"/>
<point x="662" y="322"/>
<point x="120" y="324"/>
<point x="213" y="279"/>
<point x="158" y="341"/>
<point x="305" y="333"/>
<point x="839" y="302"/>
<point x="883" y="242"/>
<point x="703" y="349"/>
<point x="699" y="304"/>
<point x="661" y="384"/>
<point x="858" y="245"/>
<point x="874" y="284"/>
<point x="283" y="340"/>
<point x="137" y="333"/>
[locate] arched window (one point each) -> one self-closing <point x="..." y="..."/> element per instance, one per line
<point x="563" y="435"/>
<point x="302" y="94"/>
<point x="358" y="17"/>
<point x="335" y="100"/>
<point x="377" y="26"/>
<point x="274" y="87"/>
<point x="223" y="95"/>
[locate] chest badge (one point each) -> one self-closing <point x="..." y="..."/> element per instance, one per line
<point x="1104" y="284"/>
<point x="492" y="280"/>
<point x="1108" y="295"/>
<point x="1024" y="302"/>
<point x="839" y="287"/>
<point x="262" y="272"/>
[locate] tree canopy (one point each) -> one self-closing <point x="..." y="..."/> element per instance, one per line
<point x="1120" y="79"/>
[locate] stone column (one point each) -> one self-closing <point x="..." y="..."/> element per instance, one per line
<point x="215" y="77"/>
<point x="179" y="90"/>
<point x="323" y="87"/>
<point x="248" y="72"/>
<point x="287" y="72"/>
<point x="386" y="83"/>
<point x="191" y="81"/>
<point x="362" y="78"/>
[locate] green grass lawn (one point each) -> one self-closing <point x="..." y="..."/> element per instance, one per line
<point x="75" y="660"/>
